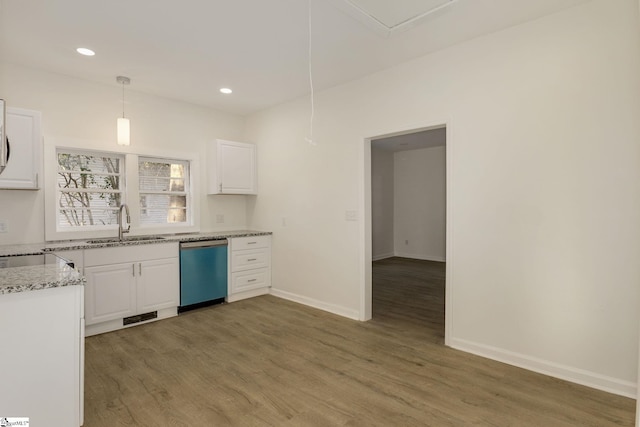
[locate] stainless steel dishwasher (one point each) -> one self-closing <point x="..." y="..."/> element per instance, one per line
<point x="203" y="273"/>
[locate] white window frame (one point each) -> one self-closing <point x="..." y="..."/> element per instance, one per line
<point x="186" y="193"/>
<point x="122" y="190"/>
<point x="131" y="194"/>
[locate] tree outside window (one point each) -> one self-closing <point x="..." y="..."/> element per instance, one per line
<point x="90" y="189"/>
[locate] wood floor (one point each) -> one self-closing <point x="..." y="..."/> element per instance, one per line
<point x="271" y="362"/>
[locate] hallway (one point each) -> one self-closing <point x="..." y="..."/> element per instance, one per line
<point x="409" y="293"/>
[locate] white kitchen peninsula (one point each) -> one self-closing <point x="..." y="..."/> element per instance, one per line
<point x="42" y="334"/>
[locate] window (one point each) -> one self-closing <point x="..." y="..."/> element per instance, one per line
<point x="164" y="191"/>
<point x="90" y="189"/>
<point x="85" y="188"/>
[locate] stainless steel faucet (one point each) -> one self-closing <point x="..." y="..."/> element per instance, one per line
<point x="121" y="231"/>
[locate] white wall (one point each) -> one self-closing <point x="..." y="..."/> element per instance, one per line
<point x="304" y="194"/>
<point x="77" y="110"/>
<point x="420" y="204"/>
<point x="544" y="180"/>
<point x="382" y="205"/>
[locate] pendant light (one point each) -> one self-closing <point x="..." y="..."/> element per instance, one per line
<point x="123" y="123"/>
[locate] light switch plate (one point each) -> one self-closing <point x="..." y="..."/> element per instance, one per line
<point x="351" y="215"/>
<point x="3" y="226"/>
<point x="219" y="218"/>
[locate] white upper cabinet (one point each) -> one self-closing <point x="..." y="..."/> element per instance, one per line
<point x="25" y="146"/>
<point x="232" y="168"/>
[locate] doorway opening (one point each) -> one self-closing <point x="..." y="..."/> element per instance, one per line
<point x="406" y="234"/>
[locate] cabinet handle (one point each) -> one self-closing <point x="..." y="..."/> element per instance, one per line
<point x="133" y="270"/>
<point x="251" y="259"/>
<point x="251" y="243"/>
<point x="140" y="268"/>
<point x="221" y="187"/>
<point x="251" y="280"/>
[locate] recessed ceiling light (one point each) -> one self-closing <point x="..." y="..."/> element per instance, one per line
<point x="226" y="90"/>
<point x="84" y="51"/>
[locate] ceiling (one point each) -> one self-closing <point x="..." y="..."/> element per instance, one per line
<point x="188" y="50"/>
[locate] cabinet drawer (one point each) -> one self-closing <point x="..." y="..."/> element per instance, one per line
<point x="252" y="242"/>
<point x="247" y="260"/>
<point x="248" y="280"/>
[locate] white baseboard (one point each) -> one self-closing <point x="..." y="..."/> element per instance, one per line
<point x="568" y="373"/>
<point x="247" y="294"/>
<point x="421" y="256"/>
<point x="331" y="308"/>
<point x="382" y="256"/>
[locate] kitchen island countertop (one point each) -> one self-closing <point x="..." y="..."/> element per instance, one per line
<point x="42" y="276"/>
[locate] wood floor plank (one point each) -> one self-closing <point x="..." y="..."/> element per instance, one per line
<point x="271" y="362"/>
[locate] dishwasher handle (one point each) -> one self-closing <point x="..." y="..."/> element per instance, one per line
<point x="203" y="244"/>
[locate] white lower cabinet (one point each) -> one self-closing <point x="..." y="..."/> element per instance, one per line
<point x="125" y="282"/>
<point x="250" y="267"/>
<point x="42" y="367"/>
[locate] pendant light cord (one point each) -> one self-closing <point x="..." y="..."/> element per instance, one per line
<point x="310" y="138"/>
<point x="123" y="99"/>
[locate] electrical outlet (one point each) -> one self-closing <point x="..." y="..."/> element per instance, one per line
<point x="351" y="215"/>
<point x="219" y="218"/>
<point x="3" y="226"/>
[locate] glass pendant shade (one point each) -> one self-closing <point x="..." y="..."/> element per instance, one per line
<point x="123" y="124"/>
<point x="123" y="131"/>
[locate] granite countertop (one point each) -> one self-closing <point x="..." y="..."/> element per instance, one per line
<point x="29" y="278"/>
<point x="67" y="245"/>
<point x="26" y="249"/>
<point x="35" y="277"/>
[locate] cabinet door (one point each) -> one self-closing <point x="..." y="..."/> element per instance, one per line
<point x="25" y="145"/>
<point x="158" y="284"/>
<point x="233" y="168"/>
<point x="110" y="292"/>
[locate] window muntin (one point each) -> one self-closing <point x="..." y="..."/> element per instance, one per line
<point x="164" y="191"/>
<point x="90" y="188"/>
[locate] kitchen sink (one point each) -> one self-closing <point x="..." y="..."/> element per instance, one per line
<point x="127" y="239"/>
<point x="142" y="238"/>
